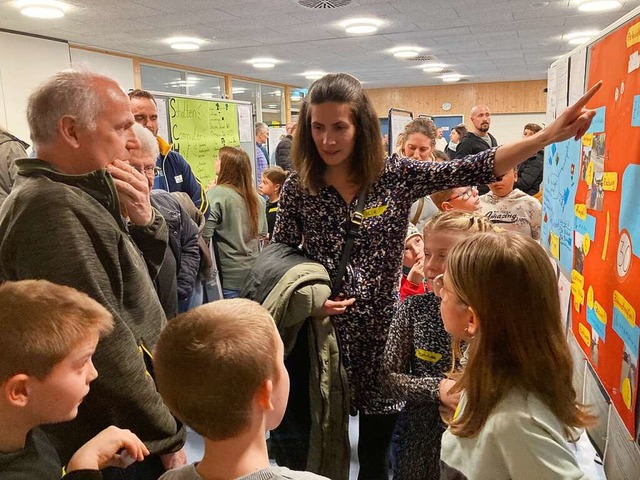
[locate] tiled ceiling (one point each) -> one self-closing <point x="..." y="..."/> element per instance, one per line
<point x="484" y="40"/>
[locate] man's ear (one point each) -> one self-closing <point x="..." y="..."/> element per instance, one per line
<point x="68" y="130"/>
<point x="263" y="395"/>
<point x="473" y="328"/>
<point x="16" y="390"/>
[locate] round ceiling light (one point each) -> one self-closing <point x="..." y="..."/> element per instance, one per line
<point x="360" y="26"/>
<point x="451" y="77"/>
<point x="599" y="5"/>
<point x="42" y="8"/>
<point x="433" y="68"/>
<point x="313" y="75"/>
<point x="577" y="38"/>
<point x="263" y="63"/>
<point x="405" y="52"/>
<point x="184" y="43"/>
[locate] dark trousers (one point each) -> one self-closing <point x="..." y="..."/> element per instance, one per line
<point x="149" y="469"/>
<point x="373" y="445"/>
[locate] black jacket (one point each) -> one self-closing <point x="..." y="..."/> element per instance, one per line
<point x="530" y="174"/>
<point x="283" y="153"/>
<point x="472" y="144"/>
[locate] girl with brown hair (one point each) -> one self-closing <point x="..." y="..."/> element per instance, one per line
<point x="518" y="412"/>
<point x="237" y="220"/>
<point x="338" y="156"/>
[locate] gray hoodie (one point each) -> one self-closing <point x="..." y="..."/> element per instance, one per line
<point x="516" y="212"/>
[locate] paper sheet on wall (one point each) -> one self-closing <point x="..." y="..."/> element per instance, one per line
<point x="562" y="85"/>
<point x="398" y="122"/>
<point x="597" y="398"/>
<point x="622" y="460"/>
<point x="163" y="124"/>
<point x="245" y="123"/>
<point x="564" y="289"/>
<point x="551" y="93"/>
<point x="577" y="75"/>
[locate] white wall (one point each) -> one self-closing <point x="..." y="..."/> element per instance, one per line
<point x="118" y="68"/>
<point x="508" y="127"/>
<point x="24" y="63"/>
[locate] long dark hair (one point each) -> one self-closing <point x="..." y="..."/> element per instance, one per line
<point x="368" y="157"/>
<point x="235" y="172"/>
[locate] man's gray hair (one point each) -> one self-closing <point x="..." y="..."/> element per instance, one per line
<point x="69" y="92"/>
<point x="148" y="141"/>
<point x="261" y="126"/>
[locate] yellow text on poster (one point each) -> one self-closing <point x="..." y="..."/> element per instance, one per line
<point x="633" y="35"/>
<point x="585" y="334"/>
<point x="554" y="245"/>
<point x="625" y="307"/>
<point x="610" y="181"/>
<point x="581" y="211"/>
<point x="586" y="243"/>
<point x="577" y="287"/>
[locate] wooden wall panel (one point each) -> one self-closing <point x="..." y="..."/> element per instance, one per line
<point x="500" y="97"/>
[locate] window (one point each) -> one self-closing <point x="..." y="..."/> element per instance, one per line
<point x="168" y="80"/>
<point x="268" y="100"/>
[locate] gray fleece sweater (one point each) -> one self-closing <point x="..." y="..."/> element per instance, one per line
<point x="272" y="473"/>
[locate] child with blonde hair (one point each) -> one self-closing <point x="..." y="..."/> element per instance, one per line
<point x="49" y="334"/>
<point x="220" y="369"/>
<point x="518" y="412"/>
<point x="418" y="354"/>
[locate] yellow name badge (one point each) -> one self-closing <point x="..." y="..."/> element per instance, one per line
<point x="273" y="210"/>
<point x="430" y="357"/>
<point x="375" y="211"/>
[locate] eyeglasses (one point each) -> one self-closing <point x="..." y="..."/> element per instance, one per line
<point x="148" y="170"/>
<point x="466" y="195"/>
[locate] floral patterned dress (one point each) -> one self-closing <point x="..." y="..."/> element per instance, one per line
<point x="319" y="223"/>
<point x="417" y="357"/>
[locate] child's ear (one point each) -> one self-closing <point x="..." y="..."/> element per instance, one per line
<point x="473" y="328"/>
<point x="446" y="206"/>
<point x="16" y="390"/>
<point x="263" y="395"/>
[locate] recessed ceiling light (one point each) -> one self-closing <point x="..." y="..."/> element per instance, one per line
<point x="599" y="5"/>
<point x="184" y="43"/>
<point x="238" y="90"/>
<point x="263" y="63"/>
<point x="406" y="52"/>
<point x="451" y="77"/>
<point x="361" y="25"/>
<point x="433" y="67"/>
<point x="577" y="38"/>
<point x="538" y="4"/>
<point x="313" y="74"/>
<point x="42" y="8"/>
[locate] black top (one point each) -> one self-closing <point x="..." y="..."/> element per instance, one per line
<point x="272" y="210"/>
<point x="38" y="459"/>
<point x="530" y="174"/>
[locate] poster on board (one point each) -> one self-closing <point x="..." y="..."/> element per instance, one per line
<point x="605" y="269"/>
<point x="199" y="129"/>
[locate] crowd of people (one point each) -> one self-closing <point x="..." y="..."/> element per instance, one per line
<point x="112" y="343"/>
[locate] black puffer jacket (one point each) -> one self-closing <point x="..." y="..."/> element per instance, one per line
<point x="283" y="153"/>
<point x="530" y="174"/>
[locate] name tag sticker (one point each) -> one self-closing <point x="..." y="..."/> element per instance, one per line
<point x="427" y="356"/>
<point x="178" y="178"/>
<point x="375" y="211"/>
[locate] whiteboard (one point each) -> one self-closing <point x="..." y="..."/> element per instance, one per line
<point x="25" y="62"/>
<point x="508" y="127"/>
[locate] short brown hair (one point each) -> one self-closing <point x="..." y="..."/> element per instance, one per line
<point x="41" y="323"/>
<point x="422" y="125"/>
<point x="486" y="272"/>
<point x="138" y="93"/>
<point x="368" y="157"/>
<point x="461" y="129"/>
<point x="438" y="198"/>
<point x="275" y="174"/>
<point x="210" y="361"/>
<point x="532" y="127"/>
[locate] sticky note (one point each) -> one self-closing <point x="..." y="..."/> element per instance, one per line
<point x="586" y="244"/>
<point x="554" y="245"/>
<point x="589" y="175"/>
<point x="586" y="225"/>
<point x="624" y="307"/>
<point x="626" y="392"/>
<point x="629" y="335"/>
<point x="590" y="297"/>
<point x="587" y="140"/>
<point x="597" y="325"/>
<point x="635" y="114"/>
<point x="581" y="211"/>
<point x="577" y="279"/>
<point x="610" y="181"/>
<point x="606" y="237"/>
<point x="585" y="334"/>
<point x="633" y="35"/>
<point x="597" y="124"/>
<point x="600" y="313"/>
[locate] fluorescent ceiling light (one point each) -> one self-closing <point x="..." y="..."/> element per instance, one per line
<point x="599" y="5"/>
<point x="406" y="52"/>
<point x="42" y="8"/>
<point x="184" y="43"/>
<point x="238" y="90"/>
<point x="361" y="25"/>
<point x="577" y="38"/>
<point x="451" y="77"/>
<point x="263" y="63"/>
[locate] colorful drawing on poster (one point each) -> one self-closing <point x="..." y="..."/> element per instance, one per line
<point x="560" y="182"/>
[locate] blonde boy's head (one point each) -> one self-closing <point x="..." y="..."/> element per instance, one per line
<point x="211" y="361"/>
<point x="41" y="323"/>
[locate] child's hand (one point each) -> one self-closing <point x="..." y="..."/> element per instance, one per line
<point x="416" y="274"/>
<point x="450" y="401"/>
<point x="335" y="307"/>
<point x="105" y="450"/>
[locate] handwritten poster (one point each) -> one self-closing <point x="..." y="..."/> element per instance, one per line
<point x="199" y="129"/>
